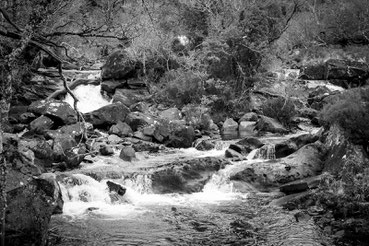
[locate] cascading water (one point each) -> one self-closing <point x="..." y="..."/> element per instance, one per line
<point x="89" y="97"/>
<point x="266" y="152"/>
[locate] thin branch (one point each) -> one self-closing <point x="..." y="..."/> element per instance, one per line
<point x="7" y="18"/>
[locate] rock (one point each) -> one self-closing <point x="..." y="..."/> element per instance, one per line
<point x="130" y="97"/>
<point x="121" y="129"/>
<point x="114" y="139"/>
<point x="230" y="153"/>
<point x="342" y="153"/>
<point x="111" y="85"/>
<point x="294" y="187"/>
<point x="171" y="114"/>
<point x="52" y="188"/>
<point x="41" y="124"/>
<point x="142" y="136"/>
<point x="347" y="70"/>
<point x="305" y="162"/>
<point x="127" y="154"/>
<point x="284" y="149"/>
<point x="140" y="107"/>
<point x="140" y="146"/>
<point x="117" y="188"/>
<point x="73" y="157"/>
<point x="313" y="72"/>
<point x="119" y="66"/>
<point x="149" y="130"/>
<point x="230" y="129"/>
<point x="204" y="144"/>
<point x="181" y="137"/>
<point x="293" y="201"/>
<point x="248" y="144"/>
<point x="108" y="115"/>
<point x="250" y="116"/>
<point x="137" y="119"/>
<point x="62" y="143"/>
<point x="106" y="150"/>
<point x="76" y="131"/>
<point x="60" y="112"/>
<point x="267" y="124"/>
<point x="185" y="176"/>
<point x="246" y="129"/>
<point x="29" y="212"/>
<point x="43" y="151"/>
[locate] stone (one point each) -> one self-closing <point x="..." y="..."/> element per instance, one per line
<point x="140" y="107"/>
<point x="306" y="162"/>
<point x="130" y="97"/>
<point x="108" y="115"/>
<point x="120" y="66"/>
<point x="51" y="186"/>
<point x="60" y="112"/>
<point x="127" y="154"/>
<point x="121" y="129"/>
<point x="111" y="85"/>
<point x="186" y="176"/>
<point x="250" y="116"/>
<point x="115" y="187"/>
<point x="114" y="139"/>
<point x="137" y="119"/>
<point x="249" y="144"/>
<point x="74" y="156"/>
<point x="181" y="136"/>
<point x="230" y="153"/>
<point x="230" y="129"/>
<point x="267" y="124"/>
<point x="294" y="187"/>
<point x="62" y="143"/>
<point x="342" y="153"/>
<point x="204" y="144"/>
<point x="246" y="129"/>
<point x="149" y="130"/>
<point x="41" y="124"/>
<point x="29" y="212"/>
<point x="106" y="150"/>
<point x="171" y="114"/>
<point x="142" y="136"/>
<point x="313" y="72"/>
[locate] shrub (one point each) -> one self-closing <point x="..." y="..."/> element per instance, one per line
<point x="281" y="109"/>
<point x="181" y="87"/>
<point x="350" y="110"/>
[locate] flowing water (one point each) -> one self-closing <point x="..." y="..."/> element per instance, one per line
<point x="219" y="215"/>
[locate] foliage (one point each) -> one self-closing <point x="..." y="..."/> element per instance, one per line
<point x="282" y="109"/>
<point x="180" y="87"/>
<point x="350" y="111"/>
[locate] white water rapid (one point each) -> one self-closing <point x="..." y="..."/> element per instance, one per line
<point x="89" y="97"/>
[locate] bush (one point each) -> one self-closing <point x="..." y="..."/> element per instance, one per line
<point x="350" y="110"/>
<point x="181" y="87"/>
<point x="281" y="109"/>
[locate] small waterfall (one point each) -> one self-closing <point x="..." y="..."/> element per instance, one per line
<point x="89" y="97"/>
<point x="266" y="152"/>
<point x="220" y="181"/>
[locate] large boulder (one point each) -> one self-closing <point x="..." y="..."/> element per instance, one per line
<point x="230" y="129"/>
<point x="120" y="66"/>
<point x="111" y="85"/>
<point x="107" y="115"/>
<point x="342" y="153"/>
<point x="127" y="153"/>
<point x="306" y="162"/>
<point x="246" y="129"/>
<point x="186" y="176"/>
<point x="31" y="199"/>
<point x="267" y="124"/>
<point x="344" y="73"/>
<point x="180" y="136"/>
<point x="60" y="112"/>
